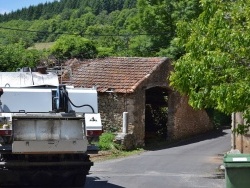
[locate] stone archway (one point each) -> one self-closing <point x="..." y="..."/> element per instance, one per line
<point x="156" y="114"/>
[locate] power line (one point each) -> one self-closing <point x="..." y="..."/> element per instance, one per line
<point x="31" y="31"/>
<point x="84" y="34"/>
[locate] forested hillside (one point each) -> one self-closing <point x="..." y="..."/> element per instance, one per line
<point x="50" y="9"/>
<point x="114" y="27"/>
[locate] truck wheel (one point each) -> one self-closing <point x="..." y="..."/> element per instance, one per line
<point x="79" y="180"/>
<point x="41" y="178"/>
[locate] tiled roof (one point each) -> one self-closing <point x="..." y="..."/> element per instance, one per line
<point x="117" y="74"/>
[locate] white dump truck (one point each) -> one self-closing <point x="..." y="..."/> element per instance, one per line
<point x="43" y="130"/>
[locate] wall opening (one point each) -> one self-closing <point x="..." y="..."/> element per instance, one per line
<point x="156" y="115"/>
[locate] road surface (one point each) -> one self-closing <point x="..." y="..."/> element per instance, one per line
<point x="190" y="164"/>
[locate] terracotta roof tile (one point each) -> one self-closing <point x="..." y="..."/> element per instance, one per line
<point x="120" y="74"/>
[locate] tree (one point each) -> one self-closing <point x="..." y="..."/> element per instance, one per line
<point x="214" y="72"/>
<point x="11" y="36"/>
<point x="66" y="14"/>
<point x="15" y="56"/>
<point x="69" y="46"/>
<point x="157" y="20"/>
<point x="102" y="34"/>
<point x="185" y="10"/>
<point x="154" y="20"/>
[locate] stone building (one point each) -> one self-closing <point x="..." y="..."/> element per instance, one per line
<point x="140" y="87"/>
<point x="240" y="142"/>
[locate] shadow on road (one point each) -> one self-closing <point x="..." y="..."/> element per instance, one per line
<point x="194" y="139"/>
<point x="91" y="182"/>
<point x="95" y="182"/>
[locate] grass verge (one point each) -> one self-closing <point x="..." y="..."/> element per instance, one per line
<point x="114" y="154"/>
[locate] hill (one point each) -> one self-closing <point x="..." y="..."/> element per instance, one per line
<point x="119" y="27"/>
<point x="50" y="9"/>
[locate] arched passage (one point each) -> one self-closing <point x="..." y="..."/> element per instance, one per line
<point x="156" y="114"/>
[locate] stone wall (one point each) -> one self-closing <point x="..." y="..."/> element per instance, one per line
<point x="240" y="142"/>
<point x="112" y="106"/>
<point x="183" y="121"/>
<point x="243" y="143"/>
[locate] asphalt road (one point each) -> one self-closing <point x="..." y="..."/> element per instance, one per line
<point x="190" y="164"/>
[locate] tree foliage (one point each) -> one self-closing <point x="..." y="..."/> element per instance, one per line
<point x="157" y="19"/>
<point x="14" y="56"/>
<point x="50" y="9"/>
<point x="130" y="27"/>
<point x="214" y="72"/>
<point x="68" y="46"/>
<point x="115" y="27"/>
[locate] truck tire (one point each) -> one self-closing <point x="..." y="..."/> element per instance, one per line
<point x="79" y="180"/>
<point x="41" y="178"/>
<point x="37" y="174"/>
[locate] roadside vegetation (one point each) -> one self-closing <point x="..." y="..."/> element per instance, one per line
<point x="111" y="150"/>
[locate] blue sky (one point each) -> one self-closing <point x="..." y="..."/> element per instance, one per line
<point x="9" y="5"/>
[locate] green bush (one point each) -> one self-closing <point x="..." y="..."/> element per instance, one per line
<point x="66" y="47"/>
<point x="106" y="141"/>
<point x="218" y="118"/>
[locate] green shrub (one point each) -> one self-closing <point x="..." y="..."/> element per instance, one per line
<point x="106" y="141"/>
<point x="66" y="47"/>
<point x="218" y="118"/>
